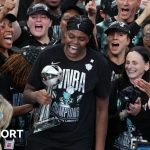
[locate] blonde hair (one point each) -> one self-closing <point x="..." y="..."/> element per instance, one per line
<point x="6" y="112"/>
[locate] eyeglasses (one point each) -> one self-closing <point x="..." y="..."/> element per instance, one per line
<point x="146" y="36"/>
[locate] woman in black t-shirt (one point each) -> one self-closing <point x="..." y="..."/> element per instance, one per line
<point x="65" y="115"/>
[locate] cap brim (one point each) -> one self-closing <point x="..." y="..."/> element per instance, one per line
<point x="38" y="11"/>
<point x="11" y="17"/>
<point x="109" y="29"/>
<point x="115" y="29"/>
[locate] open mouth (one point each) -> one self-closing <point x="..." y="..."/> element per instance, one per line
<point x="115" y="45"/>
<point x="125" y="11"/>
<point x="73" y="49"/>
<point x="38" y="28"/>
<point x="8" y="38"/>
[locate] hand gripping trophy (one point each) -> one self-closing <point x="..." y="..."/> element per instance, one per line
<point x="51" y="77"/>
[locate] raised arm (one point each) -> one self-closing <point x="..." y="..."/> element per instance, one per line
<point x="16" y="25"/>
<point x="8" y="6"/>
<point x="144" y="15"/>
<point x="91" y="11"/>
<point x="14" y="11"/>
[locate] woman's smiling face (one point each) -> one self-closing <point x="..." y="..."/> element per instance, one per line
<point x="6" y="34"/>
<point x="135" y="65"/>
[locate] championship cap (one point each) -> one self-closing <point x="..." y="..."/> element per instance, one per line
<point x="118" y="26"/>
<point x="39" y="7"/>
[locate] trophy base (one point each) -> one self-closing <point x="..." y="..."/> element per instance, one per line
<point x="46" y="124"/>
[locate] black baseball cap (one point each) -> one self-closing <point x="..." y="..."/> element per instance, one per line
<point x="118" y="26"/>
<point x="10" y="17"/>
<point x="37" y="8"/>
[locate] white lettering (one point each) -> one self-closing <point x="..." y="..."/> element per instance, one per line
<point x="4" y="134"/>
<point x="73" y="78"/>
<point x="10" y="133"/>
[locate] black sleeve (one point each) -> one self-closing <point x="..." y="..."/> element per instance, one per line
<point x="144" y="114"/>
<point x="35" y="76"/>
<point x="113" y="112"/>
<point x="115" y="125"/>
<point x="23" y="40"/>
<point x="103" y="85"/>
<point x="134" y="28"/>
<point x="5" y="83"/>
<point x="22" y="10"/>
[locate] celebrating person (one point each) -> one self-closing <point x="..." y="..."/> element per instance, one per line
<point x="129" y="106"/>
<point x="65" y="111"/>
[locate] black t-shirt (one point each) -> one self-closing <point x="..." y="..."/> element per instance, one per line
<point x="2" y="59"/>
<point x="117" y="103"/>
<point x="116" y="70"/>
<point x="4" y="80"/>
<point x="73" y="104"/>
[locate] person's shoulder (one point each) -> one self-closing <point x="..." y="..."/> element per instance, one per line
<point x="55" y="46"/>
<point x="103" y="25"/>
<point x="104" y="22"/>
<point x="53" y="49"/>
<point x="100" y="24"/>
<point x="99" y="56"/>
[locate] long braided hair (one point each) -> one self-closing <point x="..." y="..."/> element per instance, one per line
<point x="19" y="65"/>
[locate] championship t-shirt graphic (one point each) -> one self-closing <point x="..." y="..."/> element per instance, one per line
<point x="66" y="97"/>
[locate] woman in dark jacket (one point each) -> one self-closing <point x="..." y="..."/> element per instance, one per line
<point x="129" y="109"/>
